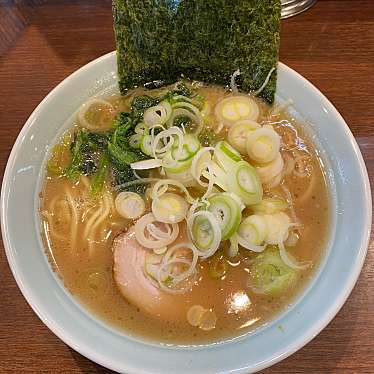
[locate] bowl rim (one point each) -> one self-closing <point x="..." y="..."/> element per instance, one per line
<point x="292" y="347"/>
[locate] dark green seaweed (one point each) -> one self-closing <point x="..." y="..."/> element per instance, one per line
<point x="144" y="41"/>
<point x="198" y="39"/>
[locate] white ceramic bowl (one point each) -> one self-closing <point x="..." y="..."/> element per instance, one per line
<point x="351" y="222"/>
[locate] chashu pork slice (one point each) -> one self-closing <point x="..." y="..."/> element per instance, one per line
<point x="137" y="288"/>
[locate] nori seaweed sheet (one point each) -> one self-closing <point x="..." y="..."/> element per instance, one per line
<point x="203" y="40"/>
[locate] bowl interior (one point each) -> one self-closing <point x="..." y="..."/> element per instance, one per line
<point x="351" y="206"/>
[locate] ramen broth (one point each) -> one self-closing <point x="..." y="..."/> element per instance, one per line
<point x="86" y="267"/>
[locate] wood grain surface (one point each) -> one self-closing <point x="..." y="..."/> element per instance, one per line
<point x="41" y="43"/>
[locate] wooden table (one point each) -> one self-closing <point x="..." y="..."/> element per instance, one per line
<point x="332" y="45"/>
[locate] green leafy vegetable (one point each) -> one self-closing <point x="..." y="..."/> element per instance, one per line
<point x="94" y="141"/>
<point x="140" y="104"/>
<point x="181" y="89"/>
<point x="99" y="178"/>
<point x="122" y="157"/>
<point x="203" y="40"/>
<point x="119" y="149"/>
<point x="85" y="153"/>
<point x="77" y="152"/>
<point x="127" y="175"/>
<point x="123" y="126"/>
<point x="109" y="154"/>
<point x="93" y="153"/>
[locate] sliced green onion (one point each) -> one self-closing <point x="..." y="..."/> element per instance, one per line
<point x="191" y="146"/>
<point x="162" y="185"/>
<point x="238" y="134"/>
<point x="160" y="251"/>
<point x="183" y="113"/>
<point x="270" y="205"/>
<point x="226" y="156"/>
<point x="157" y="115"/>
<point x="292" y="239"/>
<point x="263" y="145"/>
<point x="181" y="156"/>
<point x="164" y="141"/>
<point x="290" y="260"/>
<point x="176" y="267"/>
<point x="244" y="181"/>
<point x="135" y="140"/>
<point x="234" y="246"/>
<point x="227" y="213"/>
<point x="146" y="145"/>
<point x="155" y="238"/>
<point x="253" y="230"/>
<point x="194" y="315"/>
<point x="204" y="232"/>
<point x="173" y="166"/>
<point x="269" y="275"/>
<point x="271" y="170"/>
<point x="235" y="108"/>
<point x="129" y="205"/>
<point x="200" y="163"/>
<point x="192" y="143"/>
<point x="208" y="320"/>
<point x="96" y="115"/>
<point x="278" y="225"/>
<point x="237" y="199"/>
<point x="169" y="208"/>
<point x="146" y="164"/>
<point x="141" y="128"/>
<point x="152" y="265"/>
<point x="60" y="156"/>
<point x="220" y="176"/>
<point x="186" y="110"/>
<point x="185" y="177"/>
<point x="189" y="106"/>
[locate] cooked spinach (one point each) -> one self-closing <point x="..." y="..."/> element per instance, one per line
<point x="123" y="124"/>
<point x="181" y="89"/>
<point x="94" y="153"/>
<point x="121" y="157"/>
<point x="109" y="154"/>
<point x="83" y="152"/>
<point x="140" y="104"/>
<point x="125" y="175"/>
<point x="96" y="141"/>
<point x="203" y="40"/>
<point x="98" y="180"/>
<point x="120" y="152"/>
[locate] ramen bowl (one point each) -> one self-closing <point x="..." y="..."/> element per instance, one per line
<point x="77" y="327"/>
